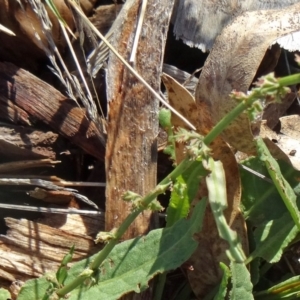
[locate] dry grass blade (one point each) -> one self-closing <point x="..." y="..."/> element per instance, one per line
<point x="72" y="85"/>
<point x="6" y="30"/>
<point x="52" y="210"/>
<point x="138" y="31"/>
<point x="150" y="89"/>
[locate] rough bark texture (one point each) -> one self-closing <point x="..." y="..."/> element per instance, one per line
<point x="43" y="102"/>
<point x="131" y="151"/>
<point x="28" y="143"/>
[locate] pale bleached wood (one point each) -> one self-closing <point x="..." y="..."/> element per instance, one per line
<point x="30" y="249"/>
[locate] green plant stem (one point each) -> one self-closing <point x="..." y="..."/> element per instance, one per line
<point x="164" y="184"/>
<point x="289" y="80"/>
<point x="221" y="125"/>
<point x="160" y="188"/>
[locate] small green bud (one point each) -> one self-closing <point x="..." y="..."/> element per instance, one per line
<point x="131" y="196"/>
<point x="105" y="237"/>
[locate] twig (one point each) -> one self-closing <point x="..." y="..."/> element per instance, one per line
<point x="26" y="164"/>
<point x="6" y="30"/>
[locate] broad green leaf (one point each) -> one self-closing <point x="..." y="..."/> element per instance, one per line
<point x="284" y="189"/>
<point x="223" y="285"/>
<point x="272" y="238"/>
<point x="132" y="263"/>
<point x="275" y="228"/>
<point x="216" y="185"/>
<point x="241" y="282"/>
<point x="184" y="192"/>
<point x="259" y="195"/>
<point x="4" y="294"/>
<point x="289" y="289"/>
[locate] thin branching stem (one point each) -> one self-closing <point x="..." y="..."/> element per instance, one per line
<point x="187" y="163"/>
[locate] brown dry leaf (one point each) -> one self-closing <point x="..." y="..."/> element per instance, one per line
<point x="194" y="24"/>
<point x="211" y="250"/>
<point x="183" y="101"/>
<point x="289" y="139"/>
<point x="232" y="65"/>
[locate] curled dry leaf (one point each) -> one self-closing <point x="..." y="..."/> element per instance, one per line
<point x="289" y="139"/>
<point x="206" y="272"/>
<point x="193" y="22"/>
<point x="232" y="65"/>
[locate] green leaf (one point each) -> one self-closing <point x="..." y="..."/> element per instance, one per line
<point x="222" y="291"/>
<point x="184" y="192"/>
<point x="275" y="228"/>
<point x="288" y="289"/>
<point x="132" y="263"/>
<point x="216" y="185"/>
<point x="62" y="271"/>
<point x="4" y="294"/>
<point x="284" y="189"/>
<point x="273" y="238"/>
<point x="241" y="282"/>
<point x="259" y="195"/>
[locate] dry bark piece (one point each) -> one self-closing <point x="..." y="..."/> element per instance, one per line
<point x="131" y="151"/>
<point x="18" y="166"/>
<point x="57" y="197"/>
<point x="29" y="139"/>
<point x="12" y="152"/>
<point x="232" y="65"/>
<point x="12" y="113"/>
<point x="45" y="103"/>
<point x="91" y="225"/>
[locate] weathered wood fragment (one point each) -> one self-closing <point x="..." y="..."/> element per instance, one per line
<point x="30" y="249"/>
<point x="36" y="143"/>
<point x="131" y="151"/>
<point x="12" y="113"/>
<point x="45" y="103"/>
<point x="18" y="166"/>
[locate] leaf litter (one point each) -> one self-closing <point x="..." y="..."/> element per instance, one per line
<point x="210" y="113"/>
